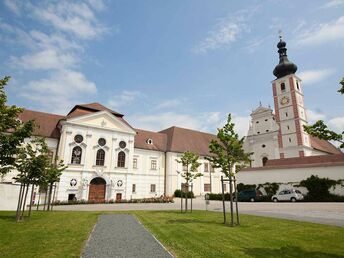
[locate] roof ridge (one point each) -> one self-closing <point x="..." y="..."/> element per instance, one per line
<point x="26" y="109"/>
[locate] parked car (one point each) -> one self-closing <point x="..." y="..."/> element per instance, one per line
<point x="288" y="195"/>
<point x="251" y="195"/>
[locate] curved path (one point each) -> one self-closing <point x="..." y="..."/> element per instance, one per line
<point x="122" y="235"/>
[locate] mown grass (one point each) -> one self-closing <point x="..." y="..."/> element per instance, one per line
<point x="200" y="234"/>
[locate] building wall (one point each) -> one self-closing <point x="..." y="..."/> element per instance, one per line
<point x="174" y="180"/>
<point x="293" y="175"/>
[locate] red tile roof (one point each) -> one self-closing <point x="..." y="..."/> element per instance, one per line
<point x="93" y="107"/>
<point x="310" y="161"/>
<point x="46" y="124"/>
<point x="181" y="140"/>
<point x="159" y="140"/>
<point x="324" y="146"/>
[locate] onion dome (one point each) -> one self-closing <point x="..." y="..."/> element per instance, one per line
<point x="285" y="67"/>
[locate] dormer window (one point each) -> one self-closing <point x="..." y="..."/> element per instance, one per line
<point x="282" y="87"/>
<point x="149" y="141"/>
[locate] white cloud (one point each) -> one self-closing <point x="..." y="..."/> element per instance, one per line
<point x="206" y="121"/>
<point x="13" y="5"/>
<point x="61" y="90"/>
<point x="226" y="31"/>
<point x="315" y="76"/>
<point x="314" y="116"/>
<point x="241" y="124"/>
<point x="124" y="98"/>
<point x="76" y="18"/>
<point x="170" y="103"/>
<point x="333" y="3"/>
<point x="58" y="52"/>
<point x="337" y="124"/>
<point x="322" y="33"/>
<point x="44" y="60"/>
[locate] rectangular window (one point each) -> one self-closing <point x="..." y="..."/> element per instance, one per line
<point x="206" y="187"/>
<point x="153" y="164"/>
<point x="134" y="188"/>
<point x="211" y="169"/>
<point x="286" y="114"/>
<point x="185" y="167"/>
<point x="224" y="187"/>
<point x="134" y="162"/>
<point x="206" y="167"/>
<point x="152" y="188"/>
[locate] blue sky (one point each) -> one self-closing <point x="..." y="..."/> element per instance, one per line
<point x="162" y="63"/>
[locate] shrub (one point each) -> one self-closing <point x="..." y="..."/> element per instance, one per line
<point x="178" y="193"/>
<point x="270" y="188"/>
<point x="242" y="187"/>
<point x="318" y="188"/>
<point x="218" y="197"/>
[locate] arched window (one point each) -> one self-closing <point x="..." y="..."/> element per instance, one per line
<point x="76" y="155"/>
<point x="121" y="159"/>
<point x="100" y="157"/>
<point x="282" y="86"/>
<point x="264" y="160"/>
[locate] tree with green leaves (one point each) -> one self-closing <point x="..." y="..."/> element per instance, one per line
<point x="53" y="174"/>
<point x="32" y="163"/>
<point x="190" y="163"/>
<point x="12" y="131"/>
<point x="319" y="129"/>
<point x="229" y="155"/>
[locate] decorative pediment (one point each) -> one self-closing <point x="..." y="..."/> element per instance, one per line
<point x="102" y="119"/>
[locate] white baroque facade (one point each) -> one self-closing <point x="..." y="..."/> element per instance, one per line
<point x="107" y="159"/>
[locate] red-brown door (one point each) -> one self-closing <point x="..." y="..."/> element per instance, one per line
<point x="118" y="197"/>
<point x="97" y="190"/>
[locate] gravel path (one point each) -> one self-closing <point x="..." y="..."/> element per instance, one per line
<point x="121" y="235"/>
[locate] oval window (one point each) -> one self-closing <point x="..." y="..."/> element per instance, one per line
<point x="122" y="144"/>
<point x="78" y="138"/>
<point x="101" y="142"/>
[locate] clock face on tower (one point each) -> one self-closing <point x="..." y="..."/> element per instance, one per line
<point x="284" y="100"/>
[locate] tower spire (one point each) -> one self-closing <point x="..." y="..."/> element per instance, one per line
<point x="285" y="67"/>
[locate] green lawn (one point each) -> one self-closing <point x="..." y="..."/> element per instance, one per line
<point x="200" y="234"/>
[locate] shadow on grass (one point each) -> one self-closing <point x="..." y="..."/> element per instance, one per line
<point x="8" y="217"/>
<point x="287" y="252"/>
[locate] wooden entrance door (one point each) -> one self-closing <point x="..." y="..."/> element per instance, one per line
<point x="97" y="190"/>
<point x="118" y="197"/>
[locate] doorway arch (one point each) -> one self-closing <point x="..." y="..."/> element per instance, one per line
<point x="97" y="190"/>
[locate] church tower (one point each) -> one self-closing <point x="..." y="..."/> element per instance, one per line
<point x="290" y="111"/>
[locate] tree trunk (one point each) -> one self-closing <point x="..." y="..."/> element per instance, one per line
<point x="30" y="207"/>
<point x="191" y="197"/>
<point x="52" y="204"/>
<point x="231" y="193"/>
<point x="186" y="198"/>
<point x="181" y="201"/>
<point x="223" y="202"/>
<point x="39" y="198"/>
<point x="22" y="186"/>
<point x="24" y="202"/>
<point x="236" y="201"/>
<point x="49" y="197"/>
<point x="45" y="198"/>
<point x="211" y="186"/>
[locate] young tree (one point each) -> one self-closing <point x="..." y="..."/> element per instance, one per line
<point x="320" y="129"/>
<point x="53" y="175"/>
<point x="32" y="163"/>
<point x="190" y="162"/>
<point x="228" y="154"/>
<point x="12" y="130"/>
